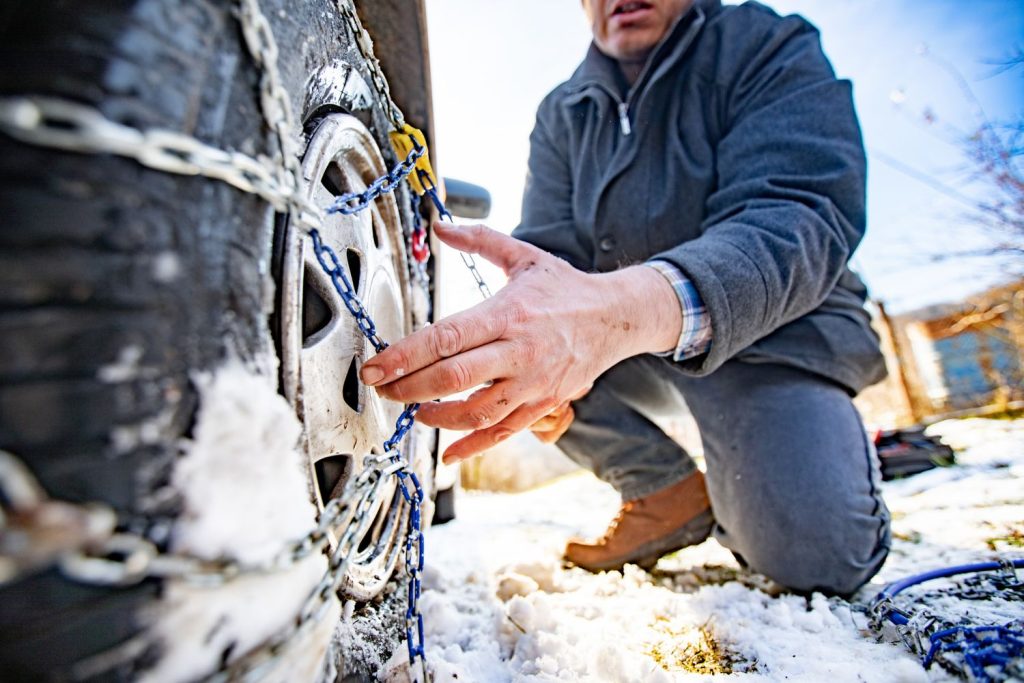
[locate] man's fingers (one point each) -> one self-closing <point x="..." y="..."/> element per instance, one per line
<point x="483" y="439"/>
<point x="480" y="410"/>
<point x="560" y="427"/>
<point x="506" y="252"/>
<point x="551" y="419"/>
<point x="451" y="375"/>
<point x="454" y="334"/>
<point x="547" y="422"/>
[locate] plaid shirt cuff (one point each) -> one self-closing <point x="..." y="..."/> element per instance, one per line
<point x="695" y="337"/>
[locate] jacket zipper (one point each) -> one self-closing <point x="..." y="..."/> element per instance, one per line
<point x="624" y="118"/>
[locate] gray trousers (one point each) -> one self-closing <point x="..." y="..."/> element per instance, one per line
<point x="792" y="477"/>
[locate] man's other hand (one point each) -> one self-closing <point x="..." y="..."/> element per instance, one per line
<point x="540" y="341"/>
<point x="550" y="428"/>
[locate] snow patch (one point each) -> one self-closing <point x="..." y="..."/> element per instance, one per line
<point x="243" y="478"/>
<point x="499" y="605"/>
<point x="125" y="368"/>
<point x="245" y="496"/>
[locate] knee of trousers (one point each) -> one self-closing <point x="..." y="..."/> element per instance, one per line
<point x="835" y="557"/>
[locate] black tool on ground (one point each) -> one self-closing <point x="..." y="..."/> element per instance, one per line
<point x="904" y="452"/>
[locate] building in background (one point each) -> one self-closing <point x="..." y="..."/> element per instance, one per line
<point x="949" y="359"/>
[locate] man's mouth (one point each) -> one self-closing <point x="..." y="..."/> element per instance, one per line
<point x="627" y="9"/>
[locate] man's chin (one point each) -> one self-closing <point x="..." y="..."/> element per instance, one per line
<point x="632" y="45"/>
<point x="631" y="54"/>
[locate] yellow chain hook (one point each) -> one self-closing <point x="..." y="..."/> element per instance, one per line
<point x="402" y="141"/>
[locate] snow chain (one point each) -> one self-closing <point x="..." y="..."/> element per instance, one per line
<point x="982" y="653"/>
<point x="81" y="539"/>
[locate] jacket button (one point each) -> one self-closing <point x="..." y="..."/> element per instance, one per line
<point x="607" y="244"/>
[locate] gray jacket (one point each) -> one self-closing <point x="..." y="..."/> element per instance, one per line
<point x="736" y="156"/>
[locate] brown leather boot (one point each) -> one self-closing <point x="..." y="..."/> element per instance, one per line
<point x="648" y="527"/>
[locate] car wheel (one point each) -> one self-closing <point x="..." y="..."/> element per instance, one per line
<point x="322" y="347"/>
<point x="167" y="347"/>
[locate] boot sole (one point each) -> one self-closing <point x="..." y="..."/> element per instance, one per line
<point x="647" y="555"/>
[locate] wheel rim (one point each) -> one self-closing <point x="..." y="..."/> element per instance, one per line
<point x="322" y="348"/>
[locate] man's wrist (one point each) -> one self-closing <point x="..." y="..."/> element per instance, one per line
<point x="696" y="335"/>
<point x="647" y="306"/>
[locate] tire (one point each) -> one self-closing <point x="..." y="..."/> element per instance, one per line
<point x="125" y="292"/>
<point x="444" y="506"/>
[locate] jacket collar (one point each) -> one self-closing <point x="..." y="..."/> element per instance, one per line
<point x="603" y="71"/>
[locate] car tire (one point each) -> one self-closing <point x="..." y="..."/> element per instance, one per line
<point x="124" y="290"/>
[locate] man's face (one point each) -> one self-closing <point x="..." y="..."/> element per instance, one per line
<point x="628" y="30"/>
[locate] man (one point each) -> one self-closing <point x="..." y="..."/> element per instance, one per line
<point x="695" y="191"/>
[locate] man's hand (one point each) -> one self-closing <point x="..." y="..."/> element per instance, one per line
<point x="540" y="341"/>
<point x="551" y="427"/>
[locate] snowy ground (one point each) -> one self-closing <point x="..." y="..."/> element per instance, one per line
<point x="499" y="606"/>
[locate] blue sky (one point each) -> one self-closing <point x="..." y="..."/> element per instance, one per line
<point x="493" y="60"/>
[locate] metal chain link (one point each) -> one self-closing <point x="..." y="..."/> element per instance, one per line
<point x="416" y="243"/>
<point x="982" y="653"/>
<point x="353" y="508"/>
<point x="40" y="532"/>
<point x="354" y="202"/>
<point x="467" y="259"/>
<point x="331" y="265"/>
<point x="364" y="43"/>
<point x="414" y="543"/>
<point x="380" y="84"/>
<point x="61" y="124"/>
<point x="274" y="102"/>
<point x="329" y="262"/>
<point x="365" y="46"/>
<point x="123" y="559"/>
<point x="418" y="239"/>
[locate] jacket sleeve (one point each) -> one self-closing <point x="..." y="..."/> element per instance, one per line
<point x="547" y="216"/>
<point x="788" y="208"/>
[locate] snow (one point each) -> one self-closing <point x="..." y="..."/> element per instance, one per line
<point x="125" y="368"/>
<point x="499" y="605"/>
<point x="245" y="496"/>
<point x="244" y="456"/>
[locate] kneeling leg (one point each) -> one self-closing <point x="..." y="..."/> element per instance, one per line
<point x="792" y="477"/>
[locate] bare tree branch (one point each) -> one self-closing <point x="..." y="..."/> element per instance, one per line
<point x="990" y="182"/>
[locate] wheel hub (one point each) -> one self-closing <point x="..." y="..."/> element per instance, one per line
<point x="322" y="348"/>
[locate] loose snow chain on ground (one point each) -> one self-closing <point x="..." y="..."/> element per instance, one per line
<point x="982" y="653"/>
<point x="56" y="123"/>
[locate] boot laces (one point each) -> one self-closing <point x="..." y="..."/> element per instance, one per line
<point x="624" y="510"/>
